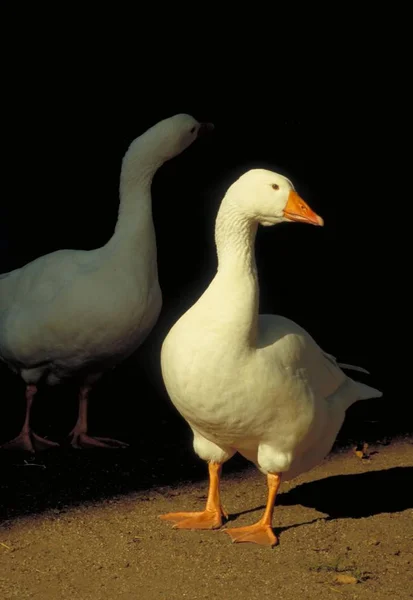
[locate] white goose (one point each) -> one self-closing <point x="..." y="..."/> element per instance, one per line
<point x="75" y="313"/>
<point x="249" y="383"/>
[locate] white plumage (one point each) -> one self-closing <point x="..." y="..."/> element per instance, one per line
<point x="75" y="313"/>
<point x="249" y="383"/>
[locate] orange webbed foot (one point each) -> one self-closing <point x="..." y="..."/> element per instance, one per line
<point x="206" y="519"/>
<point x="256" y="534"/>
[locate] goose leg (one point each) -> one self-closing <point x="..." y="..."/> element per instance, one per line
<point x="80" y="438"/>
<point x="28" y="440"/>
<point x="211" y="517"/>
<point x="261" y="532"/>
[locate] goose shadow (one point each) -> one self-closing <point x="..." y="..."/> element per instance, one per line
<point x="63" y="478"/>
<point x="353" y="496"/>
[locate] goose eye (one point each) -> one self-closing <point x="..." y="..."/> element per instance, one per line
<point x="275" y="186"/>
<point x="193" y="129"/>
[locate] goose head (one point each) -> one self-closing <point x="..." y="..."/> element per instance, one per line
<point x="171" y="136"/>
<point x="270" y="198"/>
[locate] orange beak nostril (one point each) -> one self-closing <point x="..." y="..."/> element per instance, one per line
<point x="298" y="210"/>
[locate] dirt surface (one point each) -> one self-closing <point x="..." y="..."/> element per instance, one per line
<point x="345" y="530"/>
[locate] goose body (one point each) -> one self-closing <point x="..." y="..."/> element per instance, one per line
<point x="287" y="425"/>
<point x="254" y="384"/>
<point x="74" y="313"/>
<point x="54" y="326"/>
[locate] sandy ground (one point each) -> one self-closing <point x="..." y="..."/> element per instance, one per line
<point x="348" y="517"/>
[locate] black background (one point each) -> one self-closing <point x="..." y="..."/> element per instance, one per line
<point x="332" y="280"/>
<point x="66" y="129"/>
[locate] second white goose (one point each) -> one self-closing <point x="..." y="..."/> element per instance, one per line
<point x="74" y="313"/>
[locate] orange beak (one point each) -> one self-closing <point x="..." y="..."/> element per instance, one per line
<point x="298" y="210"/>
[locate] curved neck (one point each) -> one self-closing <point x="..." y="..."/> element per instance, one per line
<point x="235" y="239"/>
<point x="134" y="240"/>
<point x="139" y="166"/>
<point x="236" y="280"/>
